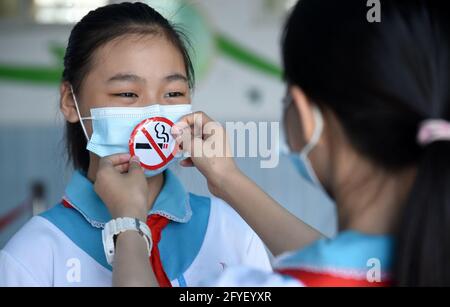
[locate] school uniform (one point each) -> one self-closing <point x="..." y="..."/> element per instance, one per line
<point x="350" y="259"/>
<point x="199" y="237"/>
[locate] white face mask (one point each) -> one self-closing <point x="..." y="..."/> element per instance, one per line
<point x="113" y="127"/>
<point x="301" y="160"/>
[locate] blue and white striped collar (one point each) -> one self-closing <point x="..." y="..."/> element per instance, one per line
<point x="350" y="252"/>
<point x="172" y="201"/>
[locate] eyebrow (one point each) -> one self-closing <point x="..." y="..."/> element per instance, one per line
<point x="136" y="78"/>
<point x="126" y="77"/>
<point x="176" y="77"/>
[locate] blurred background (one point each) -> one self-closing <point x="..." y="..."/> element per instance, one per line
<point x="237" y="61"/>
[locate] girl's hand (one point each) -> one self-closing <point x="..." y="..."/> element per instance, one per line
<point x="121" y="184"/>
<point x="207" y="143"/>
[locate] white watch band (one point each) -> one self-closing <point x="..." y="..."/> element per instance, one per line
<point x="119" y="225"/>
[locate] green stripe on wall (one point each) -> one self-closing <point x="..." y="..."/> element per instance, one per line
<point x="41" y="75"/>
<point x="244" y="56"/>
<point x="226" y="46"/>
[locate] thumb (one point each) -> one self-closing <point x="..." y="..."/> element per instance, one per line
<point x="135" y="165"/>
<point x="183" y="136"/>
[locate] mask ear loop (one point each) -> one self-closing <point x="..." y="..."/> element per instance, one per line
<point x="318" y="121"/>
<point x="79" y="114"/>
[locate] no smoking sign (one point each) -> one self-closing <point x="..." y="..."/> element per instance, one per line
<point x="153" y="143"/>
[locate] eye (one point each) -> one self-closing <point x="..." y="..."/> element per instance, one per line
<point x="173" y="95"/>
<point x="126" y="95"/>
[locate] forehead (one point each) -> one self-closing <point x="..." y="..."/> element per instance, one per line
<point x="151" y="56"/>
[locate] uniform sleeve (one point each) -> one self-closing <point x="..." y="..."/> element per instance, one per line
<point x="250" y="277"/>
<point x="257" y="255"/>
<point x="13" y="274"/>
<point x="27" y="259"/>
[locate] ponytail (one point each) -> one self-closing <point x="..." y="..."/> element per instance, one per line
<point x="423" y="236"/>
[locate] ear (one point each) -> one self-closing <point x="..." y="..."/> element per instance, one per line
<point x="67" y="104"/>
<point x="304" y="112"/>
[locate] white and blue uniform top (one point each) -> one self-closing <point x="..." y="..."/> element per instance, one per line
<point x="350" y="259"/>
<point x="63" y="246"/>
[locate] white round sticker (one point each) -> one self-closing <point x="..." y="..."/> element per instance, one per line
<point x="153" y="143"/>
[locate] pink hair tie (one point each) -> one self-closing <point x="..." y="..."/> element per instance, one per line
<point x="433" y="130"/>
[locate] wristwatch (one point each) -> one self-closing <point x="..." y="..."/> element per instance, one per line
<point x="119" y="225"/>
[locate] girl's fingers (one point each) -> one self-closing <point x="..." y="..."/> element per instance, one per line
<point x="122" y="168"/>
<point x="187" y="163"/>
<point x="196" y="118"/>
<point x="114" y="160"/>
<point x="184" y="140"/>
<point x="135" y="166"/>
<point x="192" y="124"/>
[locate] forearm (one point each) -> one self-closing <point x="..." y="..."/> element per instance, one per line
<point x="131" y="266"/>
<point x="280" y="230"/>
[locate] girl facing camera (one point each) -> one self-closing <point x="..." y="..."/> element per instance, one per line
<point x="126" y="64"/>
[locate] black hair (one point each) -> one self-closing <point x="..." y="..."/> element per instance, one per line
<point x="382" y="80"/>
<point x="94" y="30"/>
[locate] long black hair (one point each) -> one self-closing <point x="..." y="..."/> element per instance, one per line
<point x="382" y="80"/>
<point x="94" y="30"/>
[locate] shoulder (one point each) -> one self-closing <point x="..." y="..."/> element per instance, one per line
<point x="43" y="233"/>
<point x="27" y="257"/>
<point x="41" y="252"/>
<point x="226" y="216"/>
<point x="220" y="214"/>
<point x="227" y="227"/>
<point x="37" y="242"/>
<point x="37" y="233"/>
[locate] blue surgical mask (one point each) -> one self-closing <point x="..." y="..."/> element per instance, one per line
<point x="112" y="127"/>
<point x="301" y="160"/>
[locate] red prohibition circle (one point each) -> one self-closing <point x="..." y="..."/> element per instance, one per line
<point x="139" y="128"/>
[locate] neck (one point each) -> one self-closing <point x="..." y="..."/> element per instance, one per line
<point x="370" y="200"/>
<point x="154" y="183"/>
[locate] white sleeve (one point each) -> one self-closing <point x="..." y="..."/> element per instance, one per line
<point x="257" y="255"/>
<point x="27" y="259"/>
<point x="249" y="277"/>
<point x="13" y="274"/>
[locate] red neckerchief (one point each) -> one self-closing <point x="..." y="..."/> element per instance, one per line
<point x="319" y="279"/>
